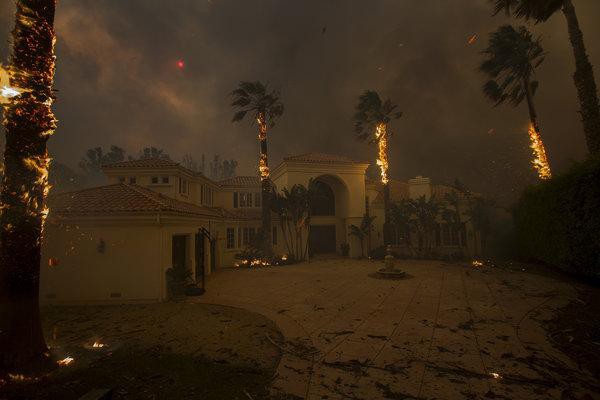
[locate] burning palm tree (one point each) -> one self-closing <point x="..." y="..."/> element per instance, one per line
<point x="371" y="122"/>
<point x="541" y="11"/>
<point x="511" y="59"/>
<point x="28" y="122"/>
<point x="265" y="107"/>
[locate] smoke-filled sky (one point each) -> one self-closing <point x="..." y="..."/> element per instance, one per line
<point x="118" y="81"/>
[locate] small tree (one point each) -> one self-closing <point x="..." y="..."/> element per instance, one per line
<point x="362" y="232"/>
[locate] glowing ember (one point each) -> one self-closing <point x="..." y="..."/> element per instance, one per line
<point x="180" y="64"/>
<point x="477" y="263"/>
<point x="263" y="168"/>
<point x="98" y="345"/>
<point x="8" y="92"/>
<point x="540" y="161"/>
<point x="253" y="263"/>
<point x="381" y="135"/>
<point x="65" y="361"/>
<point x="21" y="378"/>
<point x="284" y="257"/>
<point x="262" y="126"/>
<point x="472" y="39"/>
<point x="495" y="375"/>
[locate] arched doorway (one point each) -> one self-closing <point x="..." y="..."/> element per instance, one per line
<point x="327" y="212"/>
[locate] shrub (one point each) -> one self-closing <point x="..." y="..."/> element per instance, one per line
<point x="558" y="221"/>
<point x="345" y="249"/>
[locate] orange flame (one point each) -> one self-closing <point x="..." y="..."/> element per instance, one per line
<point x="382" y="161"/>
<point x="65" y="361"/>
<point x="540" y="160"/>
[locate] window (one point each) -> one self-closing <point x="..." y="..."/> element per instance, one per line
<point x="154" y="180"/>
<point x="183" y="186"/>
<point x="235" y="199"/>
<point x="121" y="179"/>
<point x="275" y="235"/>
<point x="242" y="199"/>
<point x="239" y="241"/>
<point x="324" y="204"/>
<point x="201" y="194"/>
<point x="257" y="199"/>
<point x="248" y="235"/>
<point x="165" y="179"/>
<point x="230" y="238"/>
<point x="132" y="180"/>
<point x="249" y="199"/>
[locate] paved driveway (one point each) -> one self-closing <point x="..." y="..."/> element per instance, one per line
<point x="447" y="332"/>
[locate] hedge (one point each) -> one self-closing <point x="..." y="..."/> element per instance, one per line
<point x="558" y="222"/>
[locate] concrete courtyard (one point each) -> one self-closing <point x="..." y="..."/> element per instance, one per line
<point x="447" y="331"/>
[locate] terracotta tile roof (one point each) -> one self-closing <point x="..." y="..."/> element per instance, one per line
<point x="322" y="158"/>
<point x="237" y="181"/>
<point x="144" y="163"/>
<point x="123" y="198"/>
<point x="398" y="191"/>
<point x="245" y="214"/>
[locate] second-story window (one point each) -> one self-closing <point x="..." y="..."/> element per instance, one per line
<point x="183" y="186"/>
<point x="165" y="179"/>
<point x="121" y="179"/>
<point x="257" y="199"/>
<point x="132" y="180"/>
<point x="154" y="180"/>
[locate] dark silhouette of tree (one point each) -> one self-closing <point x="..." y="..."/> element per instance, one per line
<point x="363" y="231"/>
<point x="371" y="121"/>
<point x="28" y="122"/>
<point x="264" y="107"/>
<point x="587" y="91"/>
<point x="511" y="59"/>
<point x="153" y="152"/>
<point x="91" y="164"/>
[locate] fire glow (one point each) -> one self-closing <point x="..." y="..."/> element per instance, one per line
<point x="477" y="263"/>
<point x="65" y="361"/>
<point x="98" y="345"/>
<point x="540" y="160"/>
<point x="382" y="161"/>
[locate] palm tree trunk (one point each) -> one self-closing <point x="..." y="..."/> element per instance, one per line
<point x="28" y="123"/>
<point x="386" y="213"/>
<point x="541" y="162"/>
<point x="266" y="191"/>
<point x="532" y="112"/>
<point x="584" y="81"/>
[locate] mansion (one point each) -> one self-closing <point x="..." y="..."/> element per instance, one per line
<point x="117" y="241"/>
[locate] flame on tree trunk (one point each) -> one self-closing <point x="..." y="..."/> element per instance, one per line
<point x="540" y="160"/>
<point x="382" y="161"/>
<point x="263" y="167"/>
<point x="28" y="122"/>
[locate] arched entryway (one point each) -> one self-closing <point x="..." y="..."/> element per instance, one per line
<point x="327" y="212"/>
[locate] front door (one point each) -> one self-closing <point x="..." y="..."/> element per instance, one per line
<point x="179" y="251"/>
<point x="322" y="239"/>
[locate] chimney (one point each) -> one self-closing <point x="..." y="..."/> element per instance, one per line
<point x="419" y="186"/>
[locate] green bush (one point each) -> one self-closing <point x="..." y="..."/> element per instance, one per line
<point x="558" y="221"/>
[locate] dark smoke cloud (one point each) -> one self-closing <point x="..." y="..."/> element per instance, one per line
<point x="119" y="84"/>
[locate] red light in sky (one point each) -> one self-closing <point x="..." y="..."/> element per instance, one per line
<point x="180" y="64"/>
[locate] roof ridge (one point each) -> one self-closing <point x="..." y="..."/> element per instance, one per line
<point x="144" y="192"/>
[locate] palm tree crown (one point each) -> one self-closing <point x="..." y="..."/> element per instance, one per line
<point x="537" y="10"/>
<point x="511" y="59"/>
<point x="256" y="99"/>
<point x="372" y="111"/>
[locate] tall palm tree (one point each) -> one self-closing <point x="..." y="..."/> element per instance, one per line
<point x="587" y="91"/>
<point x="264" y="106"/>
<point x="28" y="123"/>
<point x="511" y="59"/>
<point x="371" y="121"/>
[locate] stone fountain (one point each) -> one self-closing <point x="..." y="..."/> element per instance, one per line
<point x="389" y="271"/>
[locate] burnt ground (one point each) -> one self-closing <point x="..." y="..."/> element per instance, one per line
<point x="158" y="351"/>
<point x="575" y="330"/>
